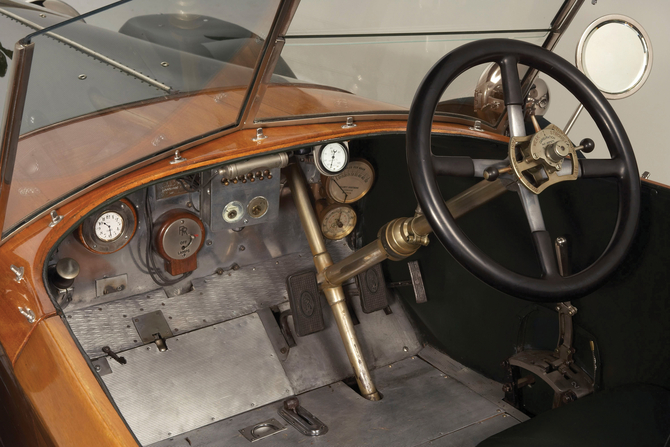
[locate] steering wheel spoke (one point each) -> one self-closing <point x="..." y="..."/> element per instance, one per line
<point x="546" y="255"/>
<point x="599" y="167"/>
<point x="454" y="166"/>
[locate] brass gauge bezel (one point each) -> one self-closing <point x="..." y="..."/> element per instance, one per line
<point x="346" y="229"/>
<point x="86" y="231"/>
<point x="336" y="186"/>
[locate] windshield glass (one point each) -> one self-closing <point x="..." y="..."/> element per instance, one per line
<point x="383" y="50"/>
<point x="146" y="76"/>
<point x="126" y="84"/>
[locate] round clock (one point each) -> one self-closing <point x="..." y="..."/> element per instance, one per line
<point x="110" y="228"/>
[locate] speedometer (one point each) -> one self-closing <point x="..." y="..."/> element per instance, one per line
<point x="352" y="184"/>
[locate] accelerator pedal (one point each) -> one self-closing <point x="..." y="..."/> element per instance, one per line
<point x="303" y="295"/>
<point x="374" y="293"/>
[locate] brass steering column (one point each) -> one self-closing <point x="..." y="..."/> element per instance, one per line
<point x="334" y="294"/>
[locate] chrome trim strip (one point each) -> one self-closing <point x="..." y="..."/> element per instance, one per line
<point x="285" y="14"/>
<point x="17" y="87"/>
<point x="85" y="50"/>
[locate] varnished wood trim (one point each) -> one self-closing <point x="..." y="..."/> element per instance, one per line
<point x="65" y="394"/>
<point x="32" y="245"/>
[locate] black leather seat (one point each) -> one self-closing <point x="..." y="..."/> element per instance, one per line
<point x="632" y="415"/>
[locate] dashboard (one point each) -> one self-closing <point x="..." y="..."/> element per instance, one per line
<point x="206" y="235"/>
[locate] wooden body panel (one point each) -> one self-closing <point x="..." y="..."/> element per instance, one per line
<point x="69" y="402"/>
<point x="51" y="370"/>
<point x="59" y="158"/>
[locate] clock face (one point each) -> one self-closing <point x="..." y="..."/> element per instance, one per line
<point x="333" y="157"/>
<point x="109" y="226"/>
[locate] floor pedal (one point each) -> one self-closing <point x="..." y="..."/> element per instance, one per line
<point x="374" y="294"/>
<point x="303" y="295"/>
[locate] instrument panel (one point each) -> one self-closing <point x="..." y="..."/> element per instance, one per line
<point x="206" y="224"/>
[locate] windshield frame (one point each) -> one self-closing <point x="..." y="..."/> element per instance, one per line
<point x="270" y="55"/>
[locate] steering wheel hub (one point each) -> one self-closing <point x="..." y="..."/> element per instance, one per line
<point x="537" y="160"/>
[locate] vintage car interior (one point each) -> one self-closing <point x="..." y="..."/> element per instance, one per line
<point x="213" y="235"/>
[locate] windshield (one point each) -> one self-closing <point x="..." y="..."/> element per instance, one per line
<point x="382" y="50"/>
<point x="126" y="84"/>
<point x="146" y="76"/>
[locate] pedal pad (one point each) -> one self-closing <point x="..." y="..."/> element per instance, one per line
<point x="374" y="294"/>
<point x="303" y="295"/>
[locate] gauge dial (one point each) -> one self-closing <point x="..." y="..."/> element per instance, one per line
<point x="352" y="184"/>
<point x="337" y="221"/>
<point x="109" y="229"/>
<point x="331" y="158"/>
<point x="109" y="226"/>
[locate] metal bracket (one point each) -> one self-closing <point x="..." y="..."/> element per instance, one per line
<point x="177" y="158"/>
<point x="477" y="126"/>
<point x="29" y="314"/>
<point x="55" y="218"/>
<point x="18" y="271"/>
<point x="301" y="419"/>
<point x="105" y="286"/>
<point x="153" y="328"/>
<point x="64" y="297"/>
<point x="350" y="123"/>
<point x="101" y="366"/>
<point x="260" y="136"/>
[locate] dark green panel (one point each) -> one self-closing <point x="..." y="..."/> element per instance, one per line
<point x="628" y="318"/>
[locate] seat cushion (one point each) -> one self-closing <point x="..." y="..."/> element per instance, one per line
<point x="632" y="415"/>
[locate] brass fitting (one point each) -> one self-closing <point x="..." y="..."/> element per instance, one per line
<point x="399" y="240"/>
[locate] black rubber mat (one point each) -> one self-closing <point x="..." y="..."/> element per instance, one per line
<point x="374" y="294"/>
<point x="303" y="295"/>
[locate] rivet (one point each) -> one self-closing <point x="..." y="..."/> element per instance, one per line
<point x="165" y="64"/>
<point x="82" y="76"/>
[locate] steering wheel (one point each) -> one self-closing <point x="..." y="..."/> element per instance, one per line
<point x="424" y="168"/>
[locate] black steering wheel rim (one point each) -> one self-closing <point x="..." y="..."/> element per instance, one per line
<point x="508" y="53"/>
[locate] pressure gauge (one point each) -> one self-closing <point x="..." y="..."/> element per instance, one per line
<point x="331" y="158"/>
<point x="337" y="221"/>
<point x="109" y="229"/>
<point x="352" y="184"/>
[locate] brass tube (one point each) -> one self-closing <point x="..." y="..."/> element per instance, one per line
<point x="356" y="263"/>
<point x="334" y="295"/>
<point x="375" y="252"/>
<point x="463" y="203"/>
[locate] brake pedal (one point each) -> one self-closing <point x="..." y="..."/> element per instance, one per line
<point x="374" y="293"/>
<point x="303" y="295"/>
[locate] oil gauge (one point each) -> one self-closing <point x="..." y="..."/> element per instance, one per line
<point x="337" y="221"/>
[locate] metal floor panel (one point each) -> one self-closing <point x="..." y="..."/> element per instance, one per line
<point x="320" y="358"/>
<point x="421" y="406"/>
<point x="204" y="376"/>
<point x="213" y="299"/>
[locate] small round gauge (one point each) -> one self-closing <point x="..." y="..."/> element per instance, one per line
<point x="337" y="221"/>
<point x="109" y="226"/>
<point x="257" y="207"/>
<point x="233" y="212"/>
<point x="352" y="184"/>
<point x="109" y="229"/>
<point x="331" y="158"/>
